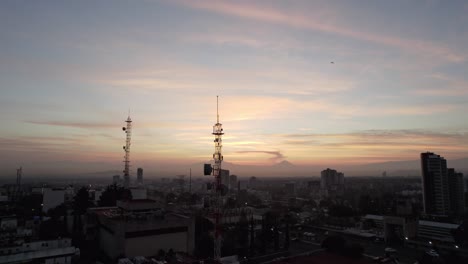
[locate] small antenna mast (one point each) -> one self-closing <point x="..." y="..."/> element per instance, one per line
<point x="190" y="185"/>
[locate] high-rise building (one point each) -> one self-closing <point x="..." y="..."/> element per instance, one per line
<point x="435" y="184"/>
<point x="233" y="182"/>
<point x="465" y="183"/>
<point x="465" y="180"/>
<point x="224" y="174"/>
<point x="140" y="176"/>
<point x="332" y="183"/>
<point x="456" y="193"/>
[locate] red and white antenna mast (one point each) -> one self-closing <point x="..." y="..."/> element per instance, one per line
<point x="218" y="158"/>
<point x="126" y="148"/>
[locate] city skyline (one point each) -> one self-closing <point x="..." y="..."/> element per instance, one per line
<point x="323" y="84"/>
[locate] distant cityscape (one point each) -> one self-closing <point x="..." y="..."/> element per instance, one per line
<point x="248" y="219"/>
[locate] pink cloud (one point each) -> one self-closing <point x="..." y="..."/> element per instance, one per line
<point x="266" y="14"/>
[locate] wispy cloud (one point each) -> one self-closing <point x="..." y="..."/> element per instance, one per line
<point x="85" y="125"/>
<point x="443" y="85"/>
<point x="297" y="20"/>
<point x="396" y="144"/>
<point x="194" y="77"/>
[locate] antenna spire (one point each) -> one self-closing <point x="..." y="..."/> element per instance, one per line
<point x="217" y="113"/>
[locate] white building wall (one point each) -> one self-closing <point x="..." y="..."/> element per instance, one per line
<point x="52" y="198"/>
<point x="52" y="251"/>
<point x="138" y="193"/>
<point x="109" y="243"/>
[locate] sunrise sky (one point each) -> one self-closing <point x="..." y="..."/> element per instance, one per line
<point x="71" y="70"/>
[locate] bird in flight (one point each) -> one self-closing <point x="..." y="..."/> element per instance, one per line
<point x="332" y="62"/>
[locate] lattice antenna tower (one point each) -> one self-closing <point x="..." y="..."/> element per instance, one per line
<point x="218" y="158"/>
<point x="126" y="148"/>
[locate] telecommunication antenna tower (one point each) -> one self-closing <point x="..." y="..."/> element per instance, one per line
<point x="218" y="158"/>
<point x="126" y="148"/>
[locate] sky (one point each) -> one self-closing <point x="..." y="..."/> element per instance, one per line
<point x="316" y="83"/>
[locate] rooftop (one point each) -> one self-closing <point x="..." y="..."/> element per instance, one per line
<point x="323" y="258"/>
<point x="438" y="224"/>
<point x="374" y="217"/>
<point x="138" y="205"/>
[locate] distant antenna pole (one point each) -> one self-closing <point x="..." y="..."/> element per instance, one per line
<point x="190" y="183"/>
<point x="19" y="174"/>
<point x="126" y="148"/>
<point x="218" y="158"/>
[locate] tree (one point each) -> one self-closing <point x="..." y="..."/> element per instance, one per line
<point x="57" y="213"/>
<point x="81" y="201"/>
<point x="54" y="227"/>
<point x="112" y="194"/>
